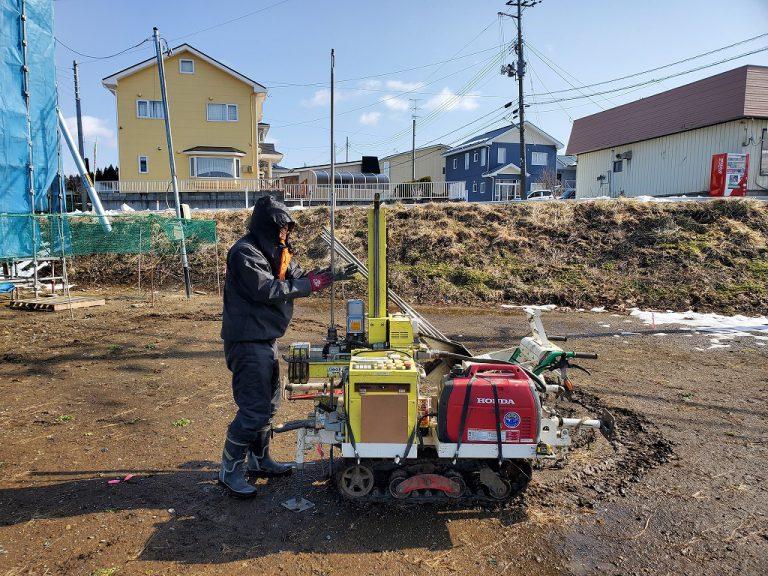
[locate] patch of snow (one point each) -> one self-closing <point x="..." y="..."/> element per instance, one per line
<point x="540" y="307"/>
<point x="605" y="325"/>
<point x="598" y="309"/>
<point x="660" y="334"/>
<point x="715" y="324"/>
<point x="125" y="208"/>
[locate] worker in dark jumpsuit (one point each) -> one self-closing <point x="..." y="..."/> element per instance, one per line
<point x="261" y="283"/>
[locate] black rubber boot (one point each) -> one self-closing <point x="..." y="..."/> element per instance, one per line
<point x="260" y="463"/>
<point x="232" y="472"/>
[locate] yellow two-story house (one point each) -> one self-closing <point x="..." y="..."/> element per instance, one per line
<point x="216" y="123"/>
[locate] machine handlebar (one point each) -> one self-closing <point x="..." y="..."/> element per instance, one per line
<point x="586" y="355"/>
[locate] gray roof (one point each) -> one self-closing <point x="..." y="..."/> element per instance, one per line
<point x="488" y="137"/>
<point x="566" y="161"/>
<point x="214" y="149"/>
<point x="268" y="148"/>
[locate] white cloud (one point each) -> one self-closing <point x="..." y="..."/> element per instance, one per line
<point x="93" y="128"/>
<point x="395" y="103"/>
<point x="370" y="118"/>
<point x="452" y="101"/>
<point x="370" y="84"/>
<point x="321" y="97"/>
<point x="404" y="86"/>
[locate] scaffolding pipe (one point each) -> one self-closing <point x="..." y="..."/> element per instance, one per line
<point x="95" y="200"/>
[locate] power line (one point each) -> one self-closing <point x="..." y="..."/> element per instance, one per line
<point x="657" y="68"/>
<point x="92" y="57"/>
<point x="656" y="80"/>
<point x="231" y="20"/>
<point x="325" y="84"/>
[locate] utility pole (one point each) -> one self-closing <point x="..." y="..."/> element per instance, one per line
<point x="346" y="158"/>
<point x="80" y="145"/>
<point x="519" y="71"/>
<point x="415" y="102"/>
<point x="172" y="163"/>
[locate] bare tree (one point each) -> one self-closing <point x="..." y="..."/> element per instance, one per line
<point x="549" y="180"/>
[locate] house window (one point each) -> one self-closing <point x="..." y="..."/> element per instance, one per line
<point x="502" y="158"/>
<point x="143" y="165"/>
<point x="475" y="157"/>
<point x="214" y="167"/>
<point x="482" y="187"/>
<point x="186" y="66"/>
<point x="618" y="165"/>
<point x="466" y="161"/>
<point x="482" y="156"/>
<point x="474" y="187"/>
<point x="443" y="169"/>
<point x="764" y="153"/>
<point x="539" y="158"/>
<point x="149" y="109"/>
<point x="455" y="163"/>
<point x="222" y="113"/>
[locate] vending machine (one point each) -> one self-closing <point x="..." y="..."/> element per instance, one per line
<point x="729" y="175"/>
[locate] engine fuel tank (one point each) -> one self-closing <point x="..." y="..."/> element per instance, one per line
<point x="519" y="409"/>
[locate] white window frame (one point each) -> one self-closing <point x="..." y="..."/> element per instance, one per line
<point x="455" y="163"/>
<point x="475" y="156"/>
<point x="227" y="109"/>
<point x="482" y="156"/>
<point x="146" y="164"/>
<point x="474" y="187"/>
<point x="236" y="168"/>
<point x="536" y="158"/>
<point x="501" y="155"/>
<point x="181" y="69"/>
<point x="482" y="187"/>
<point x="466" y="161"/>
<point x="149" y="109"/>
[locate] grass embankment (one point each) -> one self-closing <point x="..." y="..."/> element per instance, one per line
<point x="709" y="256"/>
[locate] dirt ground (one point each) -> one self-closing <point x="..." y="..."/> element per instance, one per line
<point x="133" y="389"/>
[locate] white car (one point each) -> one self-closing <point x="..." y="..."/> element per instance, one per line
<point x="541" y="195"/>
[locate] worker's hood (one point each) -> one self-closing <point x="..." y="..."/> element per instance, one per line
<point x="268" y="217"/>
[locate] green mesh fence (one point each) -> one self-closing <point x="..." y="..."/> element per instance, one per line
<point x="24" y="235"/>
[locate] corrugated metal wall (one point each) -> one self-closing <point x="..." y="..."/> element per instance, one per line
<point x="671" y="165"/>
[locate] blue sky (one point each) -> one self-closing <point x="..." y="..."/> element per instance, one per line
<point x="286" y="47"/>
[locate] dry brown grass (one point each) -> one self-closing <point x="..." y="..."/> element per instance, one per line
<point x="707" y="256"/>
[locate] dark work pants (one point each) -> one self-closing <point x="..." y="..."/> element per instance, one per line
<point x="255" y="387"/>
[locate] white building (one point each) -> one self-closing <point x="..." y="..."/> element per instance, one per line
<point x="663" y="145"/>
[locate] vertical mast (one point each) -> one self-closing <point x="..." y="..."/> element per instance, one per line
<point x="80" y="145"/>
<point x="332" y="198"/>
<point x="521" y="104"/>
<point x="172" y="163"/>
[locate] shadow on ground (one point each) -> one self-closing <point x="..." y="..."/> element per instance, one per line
<point x="238" y="529"/>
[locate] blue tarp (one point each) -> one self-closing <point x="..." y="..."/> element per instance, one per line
<point x="14" y="149"/>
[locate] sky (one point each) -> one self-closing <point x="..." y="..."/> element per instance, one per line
<point x="445" y="54"/>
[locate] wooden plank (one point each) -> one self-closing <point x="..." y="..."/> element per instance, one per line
<point x="56" y="303"/>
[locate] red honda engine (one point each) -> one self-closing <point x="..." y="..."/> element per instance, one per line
<point x="515" y="402"/>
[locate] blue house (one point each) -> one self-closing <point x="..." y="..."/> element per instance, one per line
<point x="489" y="163"/>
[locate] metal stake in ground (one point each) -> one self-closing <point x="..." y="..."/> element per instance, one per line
<point x="298" y="503"/>
<point x="172" y="163"/>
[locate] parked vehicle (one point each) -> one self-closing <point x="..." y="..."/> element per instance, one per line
<point x="540" y="195"/>
<point x="568" y="195"/>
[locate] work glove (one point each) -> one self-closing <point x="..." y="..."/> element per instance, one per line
<point x="344" y="273"/>
<point x="319" y="280"/>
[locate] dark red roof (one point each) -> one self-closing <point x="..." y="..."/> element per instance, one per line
<point x="738" y="93"/>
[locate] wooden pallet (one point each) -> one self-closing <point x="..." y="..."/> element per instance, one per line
<point x="56" y="303"/>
